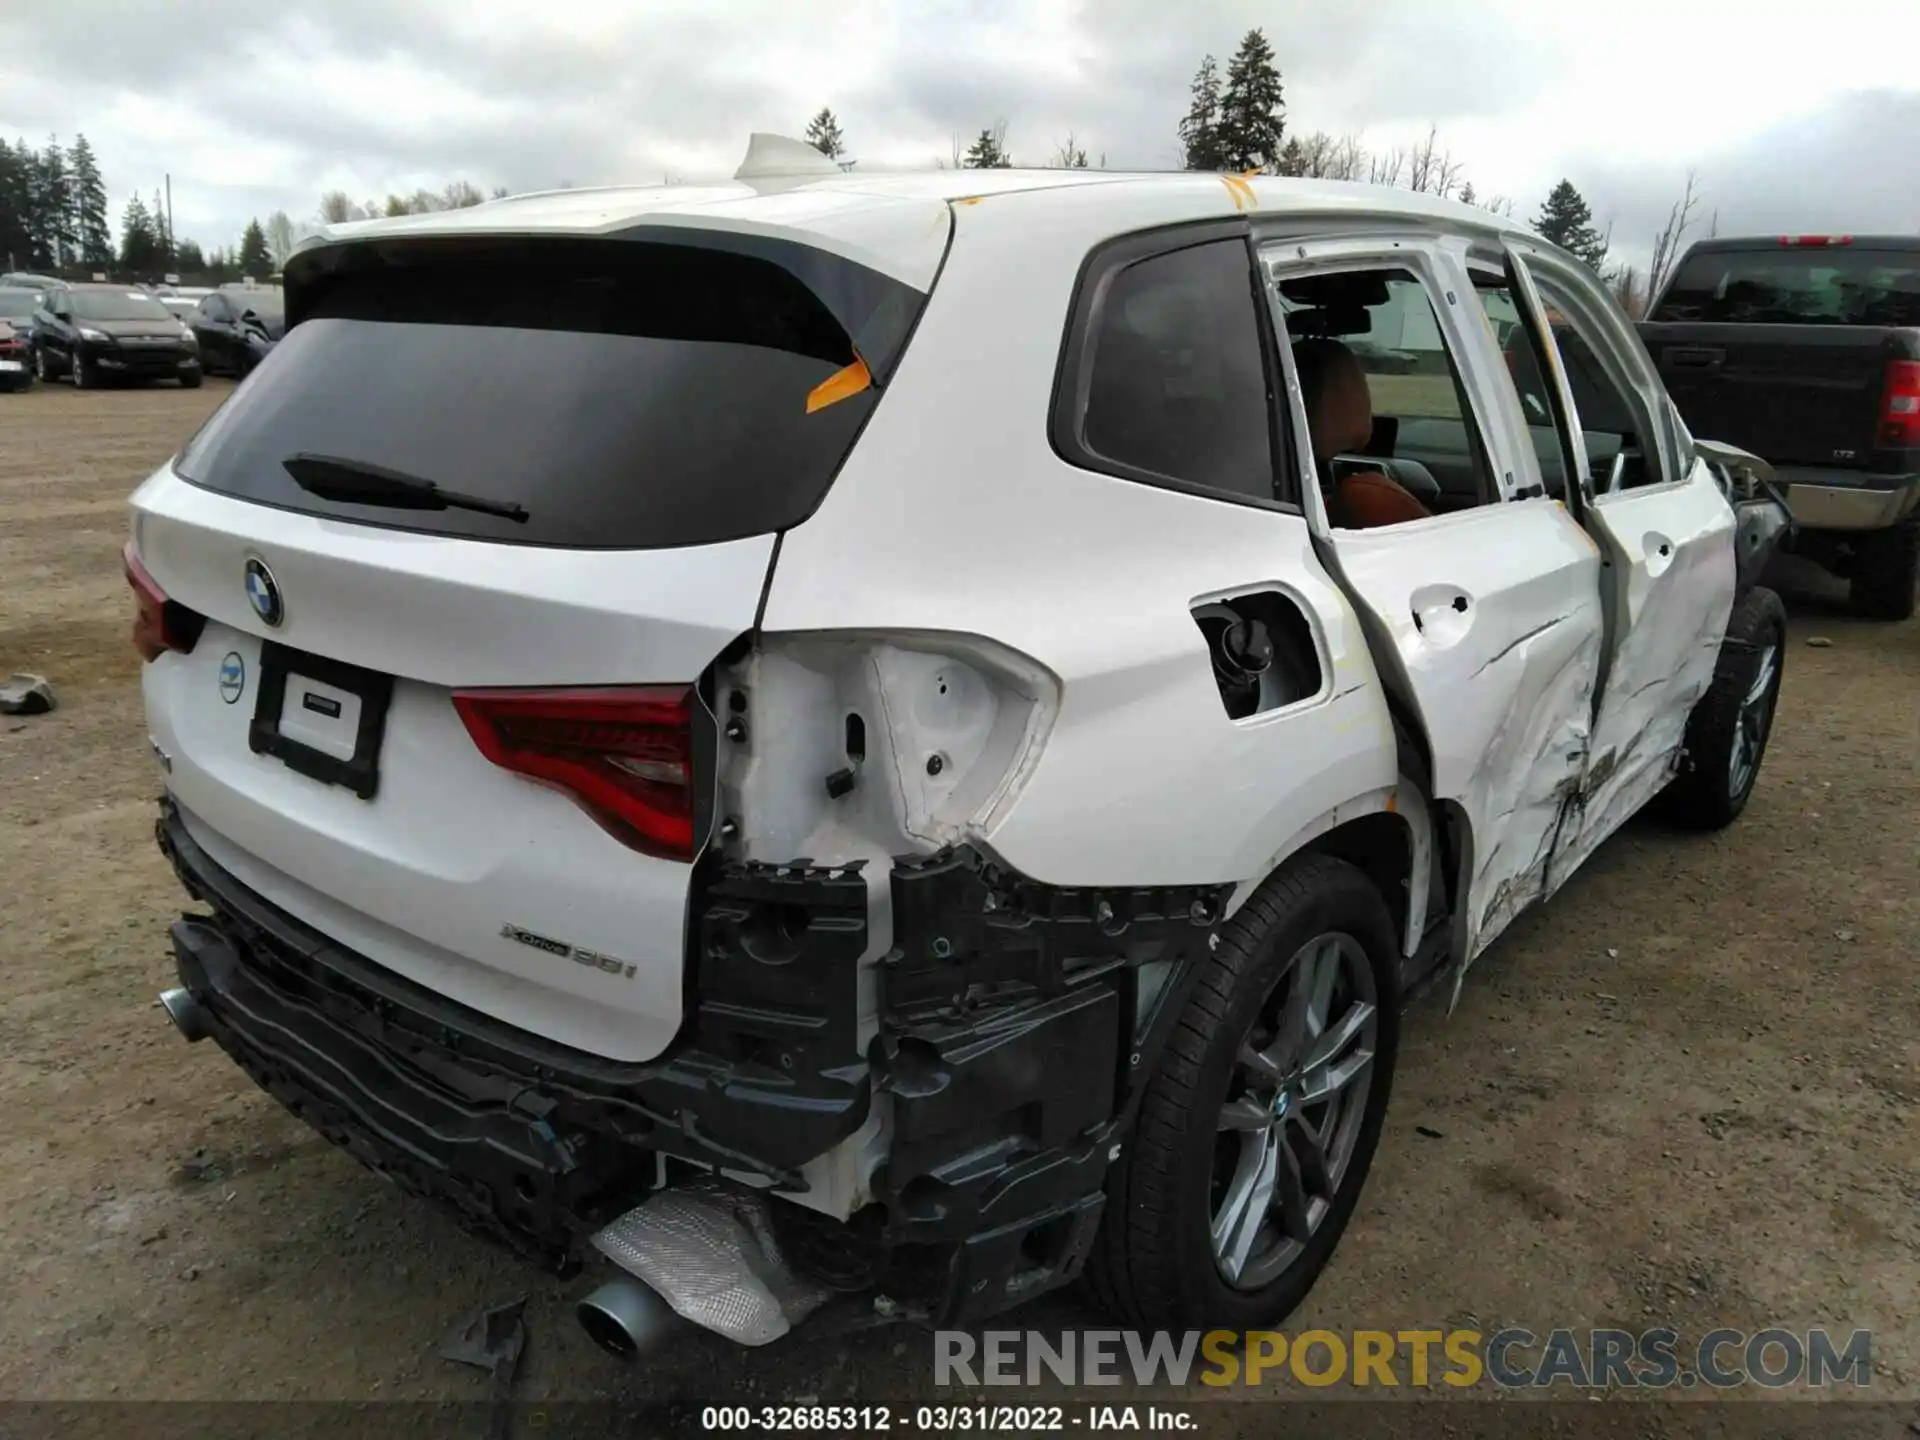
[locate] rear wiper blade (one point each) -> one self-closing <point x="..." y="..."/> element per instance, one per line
<point x="354" y="482"/>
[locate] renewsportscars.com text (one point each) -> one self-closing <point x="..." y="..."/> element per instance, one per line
<point x="1511" y="1358"/>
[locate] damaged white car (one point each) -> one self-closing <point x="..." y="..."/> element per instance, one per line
<point x="911" y="736"/>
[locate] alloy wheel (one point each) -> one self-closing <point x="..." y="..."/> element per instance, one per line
<point x="1753" y="722"/>
<point x="1287" y="1133"/>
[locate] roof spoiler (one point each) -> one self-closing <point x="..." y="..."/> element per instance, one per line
<point x="775" y="162"/>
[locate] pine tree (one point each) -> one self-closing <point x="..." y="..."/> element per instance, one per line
<point x="1566" y="221"/>
<point x="53" y="207"/>
<point x="1293" y="159"/>
<point x="1200" y="131"/>
<point x="92" y="230"/>
<point x="162" y="232"/>
<point x="16" y="207"/>
<point x="254" y="261"/>
<point x="1467" y="195"/>
<point x="1252" y="107"/>
<point x="988" y="152"/>
<point x="139" y="240"/>
<point x="823" y="133"/>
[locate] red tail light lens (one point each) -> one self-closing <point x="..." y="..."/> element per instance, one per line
<point x="1900" y="410"/>
<point x="625" y="755"/>
<point x="159" y="624"/>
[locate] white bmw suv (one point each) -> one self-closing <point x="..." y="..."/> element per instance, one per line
<point x="914" y="734"/>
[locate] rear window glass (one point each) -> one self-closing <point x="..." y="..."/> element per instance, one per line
<point x="1789" y="285"/>
<point x="618" y="394"/>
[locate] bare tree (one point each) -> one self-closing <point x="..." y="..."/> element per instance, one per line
<point x="1387" y="168"/>
<point x="1328" y="157"/>
<point x="337" y="209"/>
<point x="280" y="237"/>
<point x="1068" y="156"/>
<point x="1348" y="160"/>
<point x="459" y="194"/>
<point x="1431" y="170"/>
<point x="1627" y="292"/>
<point x="1666" y="245"/>
<point x="956" y="152"/>
<point x="1498" y="205"/>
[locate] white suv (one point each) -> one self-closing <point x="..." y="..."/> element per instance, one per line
<point x="948" y="711"/>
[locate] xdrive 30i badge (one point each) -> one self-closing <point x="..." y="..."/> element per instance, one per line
<point x="592" y="959"/>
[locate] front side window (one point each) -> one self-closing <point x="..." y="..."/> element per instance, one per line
<point x="1176" y="385"/>
<point x="1623" y="445"/>
<point x="1520" y="348"/>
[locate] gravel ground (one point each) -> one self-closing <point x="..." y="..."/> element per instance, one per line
<point x="1686" y="1092"/>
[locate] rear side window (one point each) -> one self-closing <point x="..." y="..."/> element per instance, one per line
<point x="1172" y="383"/>
<point x="617" y="394"/>
<point x="1796" y="285"/>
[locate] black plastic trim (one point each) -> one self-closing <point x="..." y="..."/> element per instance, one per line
<point x="361" y="772"/>
<point x="1008" y="1033"/>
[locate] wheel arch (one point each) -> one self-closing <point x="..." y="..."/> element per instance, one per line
<point x="1390" y="836"/>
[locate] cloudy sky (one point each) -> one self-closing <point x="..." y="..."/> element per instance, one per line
<point x="253" y="106"/>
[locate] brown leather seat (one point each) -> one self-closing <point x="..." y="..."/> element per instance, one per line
<point x="1340" y="419"/>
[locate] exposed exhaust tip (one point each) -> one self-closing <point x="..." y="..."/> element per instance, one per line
<point x="626" y="1318"/>
<point x="187" y="1014"/>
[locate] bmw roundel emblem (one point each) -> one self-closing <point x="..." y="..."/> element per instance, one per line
<point x="263" y="594"/>
<point x="233" y="677"/>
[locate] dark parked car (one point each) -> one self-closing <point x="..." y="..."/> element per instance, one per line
<point x="92" y="333"/>
<point x="237" y="327"/>
<point x="1805" y="349"/>
<point x="16" y="330"/>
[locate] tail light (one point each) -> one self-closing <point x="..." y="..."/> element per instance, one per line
<point x="625" y="755"/>
<point x="1815" y="242"/>
<point x="159" y="624"/>
<point x="1900" y="410"/>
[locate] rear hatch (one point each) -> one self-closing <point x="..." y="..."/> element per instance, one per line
<point x="456" y="556"/>
<point x="1786" y="348"/>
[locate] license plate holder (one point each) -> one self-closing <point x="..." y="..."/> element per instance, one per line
<point x="325" y="688"/>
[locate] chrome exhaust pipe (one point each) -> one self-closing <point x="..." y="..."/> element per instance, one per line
<point x="188" y="1015"/>
<point x="627" y="1318"/>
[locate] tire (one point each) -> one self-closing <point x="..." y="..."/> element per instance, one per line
<point x="40" y="366"/>
<point x="1886" y="573"/>
<point x="85" y="377"/>
<point x="190" y="380"/>
<point x="1155" y="1264"/>
<point x="1737" y="711"/>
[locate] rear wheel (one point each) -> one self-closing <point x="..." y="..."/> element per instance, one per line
<point x="1728" y="732"/>
<point x="1259" y="1125"/>
<point x="1886" y="573"/>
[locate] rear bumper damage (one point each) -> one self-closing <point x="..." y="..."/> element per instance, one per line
<point x="1015" y="1025"/>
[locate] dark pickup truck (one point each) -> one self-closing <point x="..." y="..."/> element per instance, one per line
<point x="1805" y="350"/>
